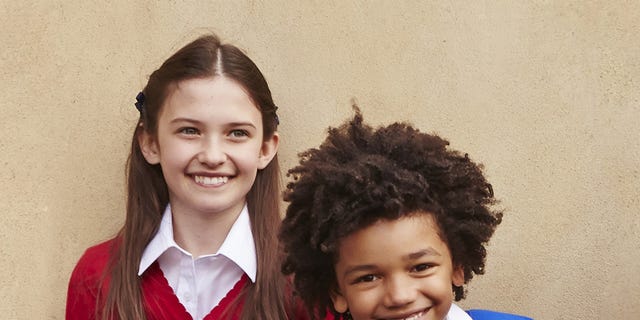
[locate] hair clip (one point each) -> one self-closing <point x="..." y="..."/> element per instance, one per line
<point x="140" y="101"/>
<point x="275" y="115"/>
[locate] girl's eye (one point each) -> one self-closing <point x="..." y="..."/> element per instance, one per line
<point x="239" y="133"/>
<point x="189" y="131"/>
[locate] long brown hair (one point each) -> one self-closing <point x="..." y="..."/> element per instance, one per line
<point x="148" y="194"/>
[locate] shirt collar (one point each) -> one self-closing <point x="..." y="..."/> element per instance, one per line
<point x="456" y="313"/>
<point x="238" y="246"/>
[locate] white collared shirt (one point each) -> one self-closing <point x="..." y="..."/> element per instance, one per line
<point x="201" y="283"/>
<point x="456" y="313"/>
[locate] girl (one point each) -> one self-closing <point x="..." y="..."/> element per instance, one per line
<point x="199" y="240"/>
<point x="387" y="224"/>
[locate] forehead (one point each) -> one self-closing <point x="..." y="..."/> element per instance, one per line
<point x="388" y="240"/>
<point x="211" y="96"/>
<point x="216" y="87"/>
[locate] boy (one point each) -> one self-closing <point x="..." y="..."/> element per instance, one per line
<point x="386" y="224"/>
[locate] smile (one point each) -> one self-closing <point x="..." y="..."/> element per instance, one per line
<point x="414" y="316"/>
<point x="211" y="181"/>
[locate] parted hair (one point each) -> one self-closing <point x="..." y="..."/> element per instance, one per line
<point x="360" y="175"/>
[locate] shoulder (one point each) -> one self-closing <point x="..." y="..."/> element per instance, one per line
<point x="92" y="264"/>
<point x="478" y="314"/>
<point x="88" y="281"/>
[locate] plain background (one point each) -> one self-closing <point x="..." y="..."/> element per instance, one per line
<point x="544" y="93"/>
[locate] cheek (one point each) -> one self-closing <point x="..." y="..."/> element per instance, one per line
<point x="438" y="288"/>
<point x="362" y="304"/>
<point x="247" y="158"/>
<point x="175" y="150"/>
<point x="175" y="156"/>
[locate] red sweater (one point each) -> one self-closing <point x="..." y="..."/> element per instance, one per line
<point x="159" y="300"/>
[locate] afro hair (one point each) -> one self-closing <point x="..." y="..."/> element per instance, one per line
<point x="360" y="175"/>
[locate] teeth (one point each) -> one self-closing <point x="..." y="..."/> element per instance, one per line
<point x="414" y="317"/>
<point x="211" y="180"/>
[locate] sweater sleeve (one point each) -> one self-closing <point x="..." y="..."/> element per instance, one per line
<point x="86" y="282"/>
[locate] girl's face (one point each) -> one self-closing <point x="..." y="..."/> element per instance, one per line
<point x="398" y="269"/>
<point x="210" y="145"/>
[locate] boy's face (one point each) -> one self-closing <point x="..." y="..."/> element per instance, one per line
<point x="396" y="269"/>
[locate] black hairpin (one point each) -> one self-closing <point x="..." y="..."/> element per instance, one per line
<point x="140" y="101"/>
<point x="275" y="115"/>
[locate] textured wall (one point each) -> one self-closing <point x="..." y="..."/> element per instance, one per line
<point x="544" y="93"/>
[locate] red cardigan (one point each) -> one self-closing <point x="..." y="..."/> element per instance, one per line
<point x="159" y="300"/>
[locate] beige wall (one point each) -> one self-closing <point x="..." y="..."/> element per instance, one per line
<point x="545" y="94"/>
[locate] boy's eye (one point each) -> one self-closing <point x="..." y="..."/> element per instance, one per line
<point x="421" y="267"/>
<point x="189" y="130"/>
<point x="366" y="278"/>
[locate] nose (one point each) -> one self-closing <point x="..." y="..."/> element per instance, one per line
<point x="399" y="291"/>
<point x="212" y="152"/>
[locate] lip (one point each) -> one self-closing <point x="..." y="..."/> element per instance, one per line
<point x="209" y="174"/>
<point x="210" y="180"/>
<point x="414" y="315"/>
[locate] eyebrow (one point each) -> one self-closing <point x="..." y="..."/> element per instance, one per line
<point x="429" y="251"/>
<point x="359" y="268"/>
<point x="232" y="124"/>
<point x="241" y="124"/>
<point x="185" y="120"/>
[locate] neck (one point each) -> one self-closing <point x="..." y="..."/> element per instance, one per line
<point x="202" y="234"/>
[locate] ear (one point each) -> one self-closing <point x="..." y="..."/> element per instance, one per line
<point x="268" y="150"/>
<point x="457" y="277"/>
<point x="339" y="301"/>
<point x="149" y="147"/>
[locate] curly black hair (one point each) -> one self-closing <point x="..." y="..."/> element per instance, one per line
<point x="359" y="176"/>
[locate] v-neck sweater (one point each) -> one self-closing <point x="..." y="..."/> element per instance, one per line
<point x="159" y="300"/>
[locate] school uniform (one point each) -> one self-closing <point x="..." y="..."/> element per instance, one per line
<point x="201" y="283"/>
<point x="456" y="313"/>
<point x="479" y="314"/>
<point x="173" y="284"/>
